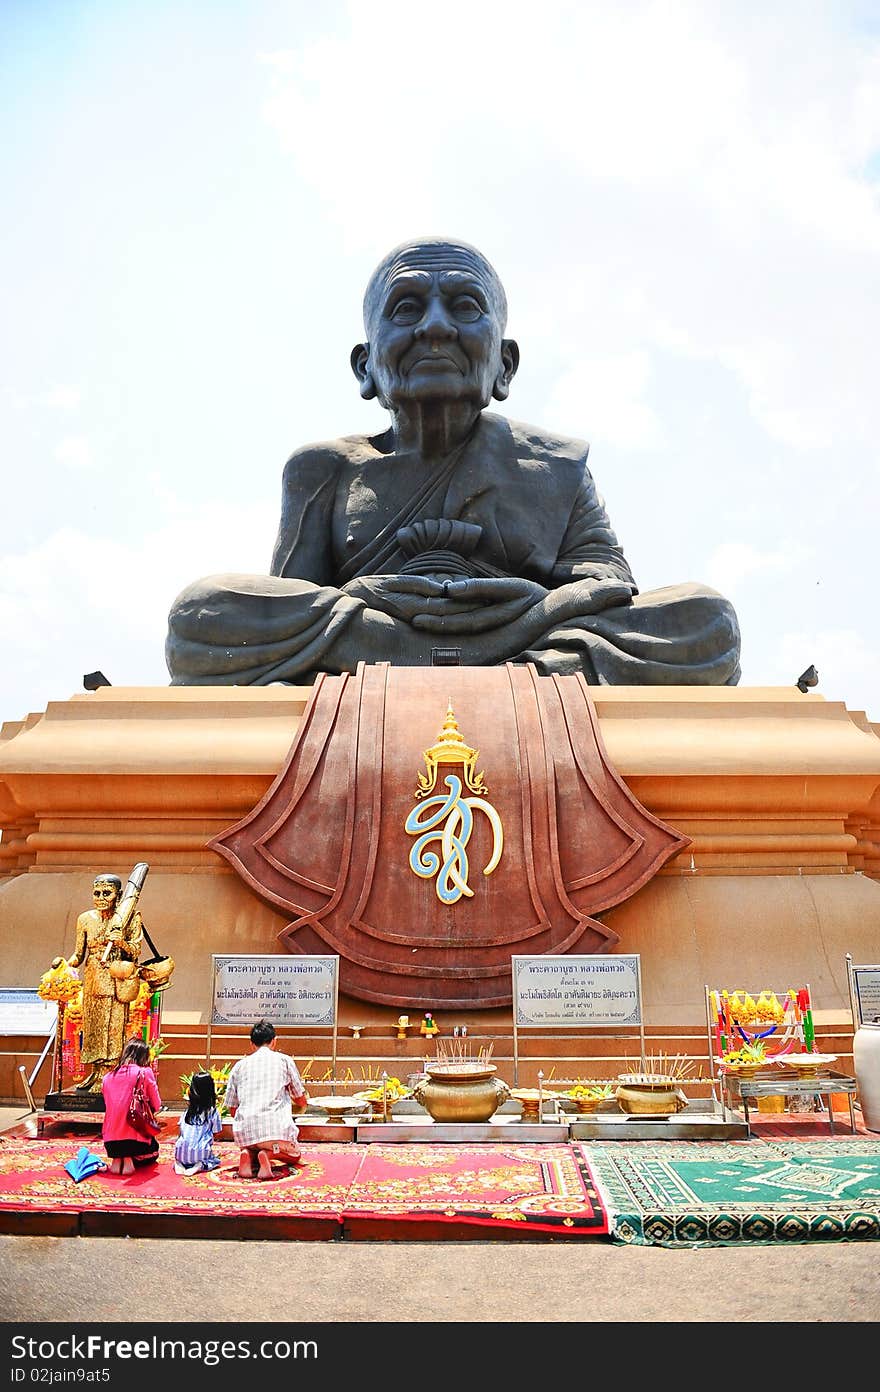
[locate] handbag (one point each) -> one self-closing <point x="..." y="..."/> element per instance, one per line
<point x="140" y="1112"/>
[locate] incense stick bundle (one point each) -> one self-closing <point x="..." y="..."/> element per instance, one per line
<point x="457" y="1053"/>
<point x="661" y="1065"/>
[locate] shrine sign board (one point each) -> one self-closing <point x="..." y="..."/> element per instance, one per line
<point x="280" y="988"/>
<point x="23" y="1011"/>
<point x="865" y="992"/>
<point x="596" y="990"/>
<point x="584" y="991"/>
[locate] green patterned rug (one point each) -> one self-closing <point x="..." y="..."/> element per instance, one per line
<point x="707" y="1194"/>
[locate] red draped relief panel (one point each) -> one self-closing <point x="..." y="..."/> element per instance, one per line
<point x="328" y="844"/>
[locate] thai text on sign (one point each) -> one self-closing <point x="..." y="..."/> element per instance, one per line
<point x="22" y="1011"/>
<point x="866" y="983"/>
<point x="283" y="989"/>
<point x="564" y="990"/>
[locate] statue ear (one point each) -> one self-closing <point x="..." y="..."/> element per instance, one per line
<point x="360" y="360"/>
<point x="509" y="364"/>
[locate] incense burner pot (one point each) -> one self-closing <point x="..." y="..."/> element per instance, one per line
<point x="643" y="1096"/>
<point x="457" y="1093"/>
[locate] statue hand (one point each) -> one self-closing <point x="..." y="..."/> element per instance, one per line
<point x="487" y="603"/>
<point x="592" y="596"/>
<point x="400" y="596"/>
<point x="539" y="610"/>
<point x="57" y="962"/>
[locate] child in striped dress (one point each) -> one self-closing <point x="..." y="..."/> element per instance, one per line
<point x="194" y="1147"/>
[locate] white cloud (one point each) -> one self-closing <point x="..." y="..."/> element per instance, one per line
<point x="78" y="602"/>
<point x="61" y="398"/>
<point x="734" y="563"/>
<point x="711" y="171"/>
<point x="283" y="61"/>
<point x="608" y="391"/>
<point x="76" y="452"/>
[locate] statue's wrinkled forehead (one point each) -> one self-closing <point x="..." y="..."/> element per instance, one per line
<point x="433" y="256"/>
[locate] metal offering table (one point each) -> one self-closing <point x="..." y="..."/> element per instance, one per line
<point x="706" y="1120"/>
<point x="769" y="1082"/>
<point x="698" y="1121"/>
<point x="512" y="1131"/>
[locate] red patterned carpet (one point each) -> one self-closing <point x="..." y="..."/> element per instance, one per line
<point x="537" y="1188"/>
<point x="342" y="1189"/>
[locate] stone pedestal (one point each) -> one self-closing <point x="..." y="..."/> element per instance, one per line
<point x="91" y="1103"/>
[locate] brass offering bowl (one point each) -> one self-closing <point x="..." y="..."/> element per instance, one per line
<point x="337" y="1107"/>
<point x="806" y="1065"/>
<point x="530" y="1100"/>
<point x="456" y="1093"/>
<point x="587" y="1105"/>
<point x="587" y="1098"/>
<point x="743" y="1070"/>
<point x="649" y="1094"/>
<point x="377" y="1104"/>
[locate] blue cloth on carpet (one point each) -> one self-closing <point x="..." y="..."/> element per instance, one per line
<point x="84" y="1164"/>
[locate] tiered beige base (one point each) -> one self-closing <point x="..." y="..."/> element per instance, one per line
<point x="780" y="793"/>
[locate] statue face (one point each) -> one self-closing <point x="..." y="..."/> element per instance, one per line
<point x="435" y="332"/>
<point x="104" y="895"/>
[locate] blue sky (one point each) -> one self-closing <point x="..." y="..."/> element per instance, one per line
<point x="681" y="199"/>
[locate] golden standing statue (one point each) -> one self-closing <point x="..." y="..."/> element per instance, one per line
<point x="108" y="945"/>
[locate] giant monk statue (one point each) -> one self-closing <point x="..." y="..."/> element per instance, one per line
<point x="455" y="536"/>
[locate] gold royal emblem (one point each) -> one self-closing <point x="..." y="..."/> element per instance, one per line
<point x="450" y="818"/>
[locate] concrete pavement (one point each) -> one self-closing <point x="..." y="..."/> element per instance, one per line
<point x="142" y="1280"/>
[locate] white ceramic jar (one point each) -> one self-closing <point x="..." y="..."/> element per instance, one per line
<point x="866" y="1065"/>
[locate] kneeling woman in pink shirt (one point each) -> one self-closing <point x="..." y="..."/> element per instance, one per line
<point x="125" y="1145"/>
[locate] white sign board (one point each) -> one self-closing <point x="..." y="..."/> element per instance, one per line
<point x="866" y="988"/>
<point x="23" y="1011"/>
<point x="285" y="990"/>
<point x="566" y="990"/>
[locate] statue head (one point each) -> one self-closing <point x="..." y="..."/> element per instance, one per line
<point x="435" y="312"/>
<point x="106" y="889"/>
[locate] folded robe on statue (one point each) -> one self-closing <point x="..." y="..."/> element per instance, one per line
<point x="530" y="509"/>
